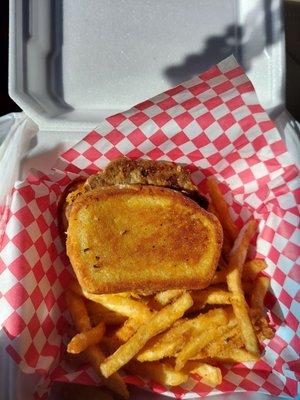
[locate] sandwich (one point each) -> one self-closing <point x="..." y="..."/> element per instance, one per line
<point x="140" y="225"/>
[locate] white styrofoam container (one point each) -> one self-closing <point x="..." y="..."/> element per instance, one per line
<point x="74" y="62"/>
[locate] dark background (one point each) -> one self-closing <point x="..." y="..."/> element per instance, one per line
<point x="292" y="32"/>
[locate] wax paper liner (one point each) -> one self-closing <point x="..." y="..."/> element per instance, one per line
<point x="215" y="125"/>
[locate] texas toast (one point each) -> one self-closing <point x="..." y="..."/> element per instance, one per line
<point x="132" y="237"/>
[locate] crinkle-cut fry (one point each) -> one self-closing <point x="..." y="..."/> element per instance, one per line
<point x="260" y="289"/>
<point x="211" y="295"/>
<point x="165" y="297"/>
<point x="169" y="343"/>
<point x="252" y="268"/>
<point x="209" y="374"/>
<point x="95" y="356"/>
<point x="221" y="208"/>
<point x="98" y="313"/>
<point x="159" y="322"/>
<point x="83" y="340"/>
<point x="199" y="340"/>
<point x="93" y="353"/>
<point x="122" y="305"/>
<point x="159" y="372"/>
<point x="236" y="261"/>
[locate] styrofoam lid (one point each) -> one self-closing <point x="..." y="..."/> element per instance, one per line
<point x="74" y="62"/>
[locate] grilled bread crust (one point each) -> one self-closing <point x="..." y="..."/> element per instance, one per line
<point x="135" y="237"/>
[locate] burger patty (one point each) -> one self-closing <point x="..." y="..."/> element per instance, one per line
<point x="124" y="171"/>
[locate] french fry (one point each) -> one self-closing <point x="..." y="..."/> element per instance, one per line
<point x="83" y="340"/>
<point x="235" y="265"/>
<point x="98" y="313"/>
<point x="227" y="240"/>
<point x="158" y="323"/>
<point x="241" y="311"/>
<point x="121" y="335"/>
<point x="150" y="327"/>
<point x="252" y="268"/>
<point x="259" y="292"/>
<point x="212" y="209"/>
<point x="78" y="311"/>
<point x="231" y="339"/>
<point x="250" y="271"/>
<point x="211" y="295"/>
<point x="122" y="305"/>
<point x="215" y="347"/>
<point x="198" y="341"/>
<point x="167" y="344"/>
<point x="165" y="297"/>
<point x="93" y="353"/>
<point x="159" y="372"/>
<point x="226" y="247"/>
<point x="95" y="356"/>
<point x="210" y="375"/>
<point x="239" y="251"/>
<point x="127" y="329"/>
<point x="221" y="208"/>
<point x="234" y="355"/>
<point x="228" y="356"/>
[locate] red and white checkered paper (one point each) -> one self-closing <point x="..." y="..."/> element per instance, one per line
<point x="215" y="125"/>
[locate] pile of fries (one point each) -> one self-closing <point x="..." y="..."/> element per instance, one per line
<point x="169" y="335"/>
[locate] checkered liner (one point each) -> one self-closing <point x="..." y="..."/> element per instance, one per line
<point x="214" y="124"/>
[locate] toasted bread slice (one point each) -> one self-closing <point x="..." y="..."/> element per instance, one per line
<point x="141" y="237"/>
